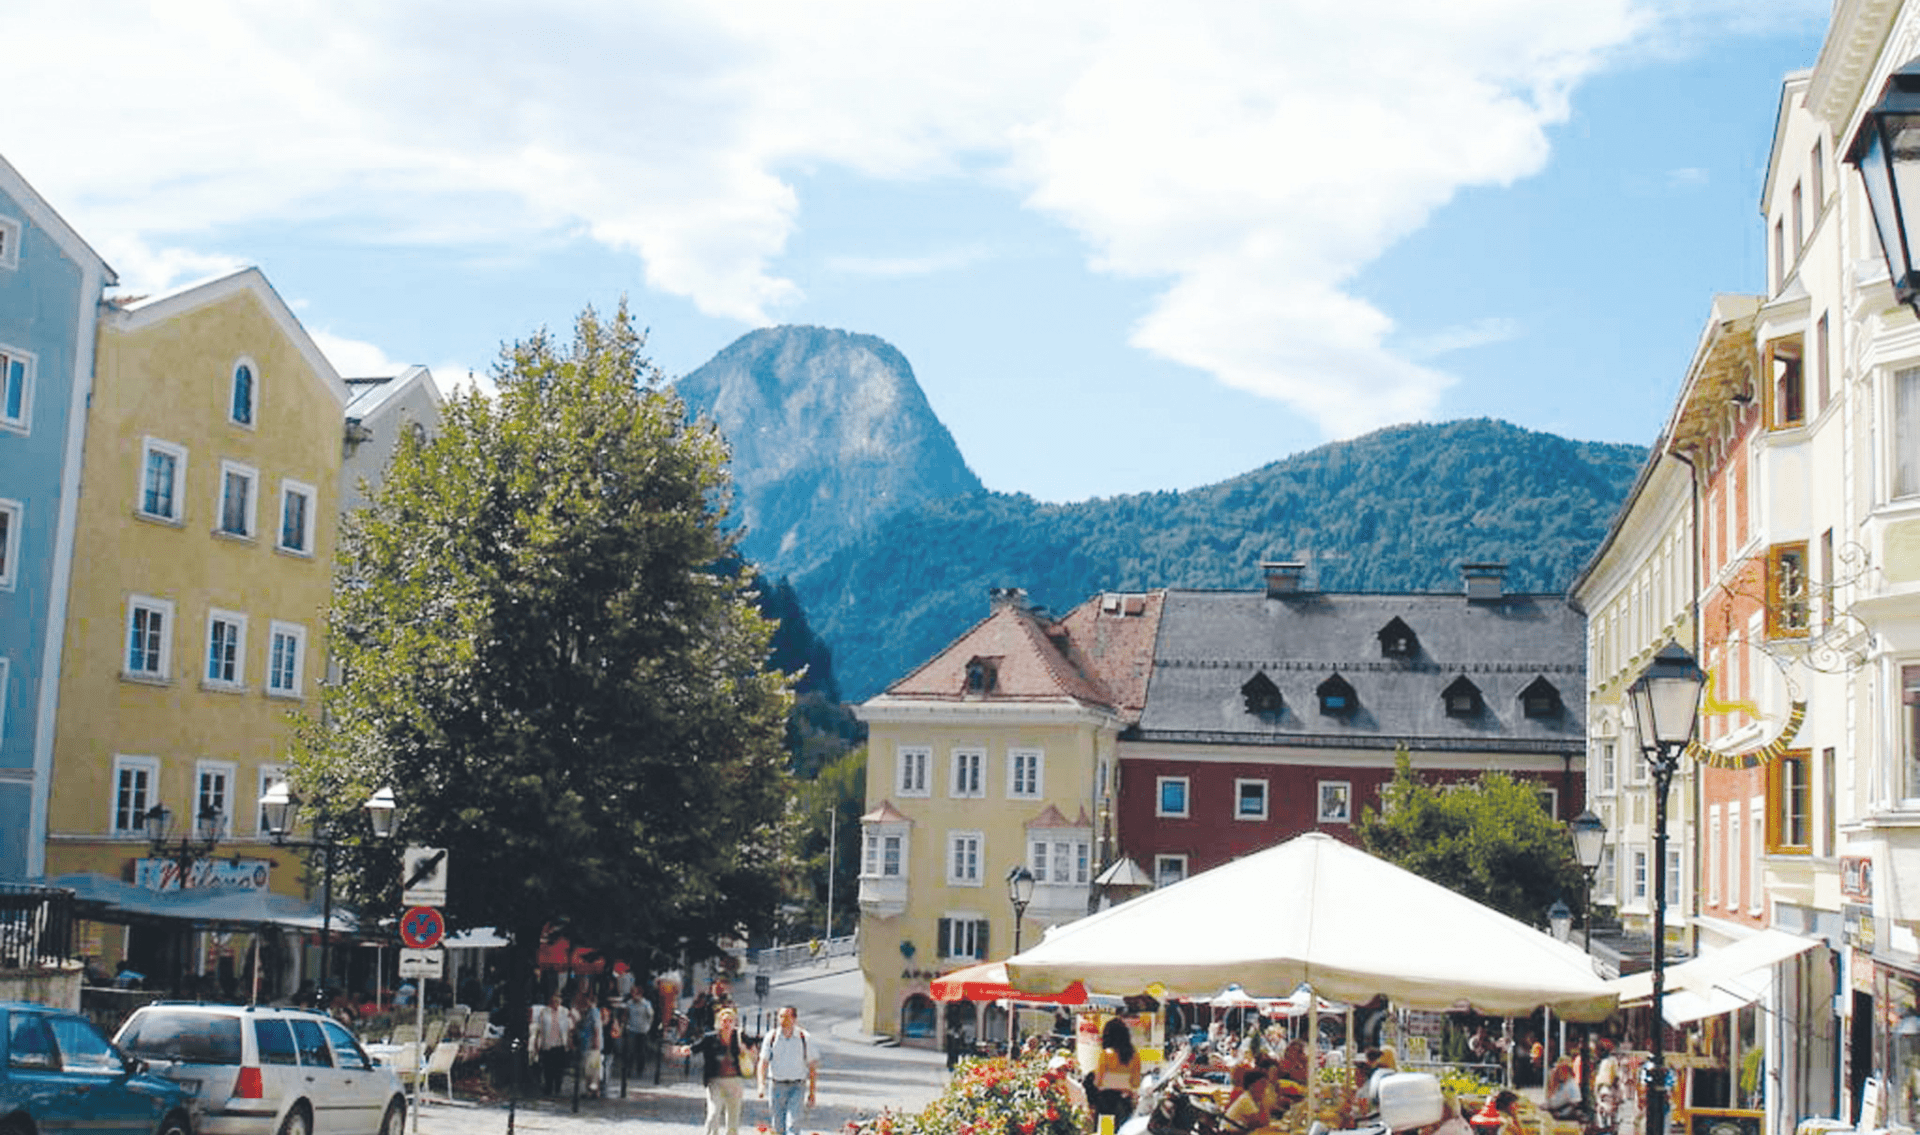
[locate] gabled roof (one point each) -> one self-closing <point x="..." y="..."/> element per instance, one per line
<point x="49" y="221"/>
<point x="1051" y="817"/>
<point x="369" y="395"/>
<point x="886" y="813"/>
<point x="1211" y="643"/>
<point x="135" y="315"/>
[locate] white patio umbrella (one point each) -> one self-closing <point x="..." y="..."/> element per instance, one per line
<point x="1315" y="911"/>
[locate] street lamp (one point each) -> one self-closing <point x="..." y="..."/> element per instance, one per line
<point x="197" y="843"/>
<point x="280" y="806"/>
<point x="1666" y="711"/>
<point x="1886" y="151"/>
<point x="1019" y="893"/>
<point x="1589" y="844"/>
<point x="1560" y="920"/>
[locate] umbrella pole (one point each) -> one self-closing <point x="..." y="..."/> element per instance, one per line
<point x="253" y="995"/>
<point x="1313" y="1053"/>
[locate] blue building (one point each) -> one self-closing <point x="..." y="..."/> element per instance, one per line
<point x="51" y="285"/>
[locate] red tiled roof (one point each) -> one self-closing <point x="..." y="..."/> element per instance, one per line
<point x="886" y="813"/>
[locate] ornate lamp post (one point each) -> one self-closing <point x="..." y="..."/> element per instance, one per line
<point x="1589" y="845"/>
<point x="1666" y="711"/>
<point x="1886" y="151"/>
<point x="280" y="807"/>
<point x="191" y="846"/>
<point x="1019" y="893"/>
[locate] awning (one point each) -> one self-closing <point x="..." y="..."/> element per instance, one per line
<point x="987" y="981"/>
<point x="1727" y="979"/>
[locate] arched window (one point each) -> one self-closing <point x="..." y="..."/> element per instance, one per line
<point x="245" y="393"/>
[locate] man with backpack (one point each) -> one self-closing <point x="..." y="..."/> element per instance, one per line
<point x="788" y="1063"/>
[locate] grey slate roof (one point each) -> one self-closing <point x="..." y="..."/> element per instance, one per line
<point x="1211" y="643"/>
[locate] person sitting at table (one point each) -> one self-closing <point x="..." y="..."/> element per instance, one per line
<point x="1292" y="1074"/>
<point x="1256" y="1099"/>
<point x="1499" y="1117"/>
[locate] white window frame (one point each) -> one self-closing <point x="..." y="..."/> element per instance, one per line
<point x="1160" y="784"/>
<point x="29" y="365"/>
<point x="1325" y="815"/>
<point x="1162" y="862"/>
<point x="957" y="845"/>
<point x="1609" y="769"/>
<point x="968" y="760"/>
<point x="290" y="488"/>
<point x="1060" y="857"/>
<point x="1716" y="855"/>
<point x="9" y="243"/>
<point x="1757" y="849"/>
<point x="253" y="394"/>
<point x="251" y="476"/>
<point x="164" y="670"/>
<point x="970" y="926"/>
<point x="1240" y="786"/>
<point x="227" y="774"/>
<point x="873" y="852"/>
<point x="912" y="770"/>
<point x="177" y="495"/>
<point x="15" y="515"/>
<point x="238" y="622"/>
<point x="1639" y="881"/>
<point x="265" y="778"/>
<point x="149" y="794"/>
<point x="1016" y="789"/>
<point x="275" y="631"/>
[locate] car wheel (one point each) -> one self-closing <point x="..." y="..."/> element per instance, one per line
<point x="395" y="1121"/>
<point x="298" y="1122"/>
<point x="175" y="1125"/>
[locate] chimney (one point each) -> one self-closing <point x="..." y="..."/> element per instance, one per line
<point x="1284" y="577"/>
<point x="1485" y="582"/>
<point x="1004" y="598"/>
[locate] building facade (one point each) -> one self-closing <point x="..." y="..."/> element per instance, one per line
<point x="50" y="289"/>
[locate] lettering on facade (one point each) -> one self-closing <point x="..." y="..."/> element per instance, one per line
<point x="203" y="874"/>
<point x="1856" y="877"/>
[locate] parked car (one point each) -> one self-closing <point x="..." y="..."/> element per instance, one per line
<point x="59" y="1073"/>
<point x="256" y="1070"/>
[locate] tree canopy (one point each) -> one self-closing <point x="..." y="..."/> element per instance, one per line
<point x="547" y="648"/>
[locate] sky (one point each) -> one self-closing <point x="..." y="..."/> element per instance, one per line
<point x="1126" y="246"/>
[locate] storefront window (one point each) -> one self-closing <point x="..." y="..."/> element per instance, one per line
<point x="1897" y="995"/>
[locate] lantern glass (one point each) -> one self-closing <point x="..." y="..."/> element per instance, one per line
<point x="158" y="822"/>
<point x="380" y="813"/>
<point x="207" y="824"/>
<point x="279" y="805"/>
<point x="1589" y="839"/>
<point x="1560" y="918"/>
<point x="1666" y="698"/>
<point x="1020" y="887"/>
<point x="1886" y="151"/>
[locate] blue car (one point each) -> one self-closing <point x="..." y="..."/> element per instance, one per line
<point x="57" y="1074"/>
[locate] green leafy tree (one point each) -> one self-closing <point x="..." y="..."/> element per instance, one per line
<point x="1488" y="839"/>
<point x="547" y="649"/>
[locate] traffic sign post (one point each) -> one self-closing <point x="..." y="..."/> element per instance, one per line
<point x="422" y="928"/>
<point x="423" y="876"/>
<point x="423" y="964"/>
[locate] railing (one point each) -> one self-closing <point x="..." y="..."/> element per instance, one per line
<point x="36" y="926"/>
<point x="776" y="958"/>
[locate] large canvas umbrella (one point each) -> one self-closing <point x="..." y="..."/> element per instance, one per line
<point x="988" y="982"/>
<point x="1315" y="911"/>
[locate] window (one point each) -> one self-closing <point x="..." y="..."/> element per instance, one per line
<point x="1817" y="175"/>
<point x="1170" y="795"/>
<point x="1734" y="860"/>
<point x="1673" y="876"/>
<point x="1169" y="869"/>
<point x="163" y="471"/>
<point x="883" y="855"/>
<point x="1826" y="775"/>
<point x="1608" y="770"/>
<point x="983" y="675"/>
<point x="213" y="790"/>
<point x="1640" y="874"/>
<point x="963" y="858"/>
<point x="30" y="1043"/>
<point x="1397" y="639"/>
<point x="1787" y="590"/>
<point x="1786" y="385"/>
<point x="1906" y="432"/>
<point x="1716" y="857"/>
<point x="1828" y="592"/>
<point x="1799" y="219"/>
<point x="963" y="936"/>
<point x="16" y="389"/>
<point x="149" y="637"/>
<point x="1540" y="699"/>
<point x="1262" y="697"/>
<point x="1063" y="861"/>
<point x="226" y="649"/>
<point x="1336" y="697"/>
<point x="296" y="517"/>
<point x="1336" y="802"/>
<point x="10" y="524"/>
<point x="286" y="659"/>
<point x="135" y="781"/>
<point x="1024" y="774"/>
<point x="1779" y="254"/>
<point x="1790" y="803"/>
<point x="269" y="776"/>
<point x="346" y="1049"/>
<point x="910" y="763"/>
<point x="1822" y="374"/>
<point x="240" y="407"/>
<point x="1462" y="698"/>
<point x="9" y="243"/>
<point x="1756" y="847"/>
<point x="967" y="780"/>
<point x="83" y="1049"/>
<point x="237" y="483"/>
<point x="1249" y="799"/>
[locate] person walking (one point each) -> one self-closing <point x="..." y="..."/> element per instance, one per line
<point x="613" y="1028"/>
<point x="586" y="1031"/>
<point x="639" y="1028"/>
<point x="787" y="1062"/>
<point x="552" y="1038"/>
<point x="722" y="1064"/>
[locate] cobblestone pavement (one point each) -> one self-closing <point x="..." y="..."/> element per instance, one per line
<point x="857" y="1078"/>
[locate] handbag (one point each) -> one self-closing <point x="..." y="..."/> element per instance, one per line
<point x="747" y="1060"/>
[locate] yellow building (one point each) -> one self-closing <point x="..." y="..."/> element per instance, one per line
<point x="203" y="569"/>
<point x="997" y="753"/>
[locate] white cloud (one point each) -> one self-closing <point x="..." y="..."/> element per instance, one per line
<point x="901" y="266"/>
<point x="1250" y="157"/>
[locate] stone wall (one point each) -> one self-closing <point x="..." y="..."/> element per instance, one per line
<point x="58" y="987"/>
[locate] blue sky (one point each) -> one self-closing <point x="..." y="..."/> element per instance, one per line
<point x="1126" y="246"/>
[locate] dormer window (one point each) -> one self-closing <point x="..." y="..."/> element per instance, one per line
<point x="1540" y="699"/>
<point x="1337" y="697"/>
<point x="1462" y="698"/>
<point x="1397" y="640"/>
<point x="983" y="675"/>
<point x="1262" y="696"/>
<point x="243" y="394"/>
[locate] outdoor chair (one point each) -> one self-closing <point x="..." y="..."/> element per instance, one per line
<point x="435" y="1030"/>
<point x="456" y="1021"/>
<point x="405" y="1034"/>
<point x="440" y="1063"/>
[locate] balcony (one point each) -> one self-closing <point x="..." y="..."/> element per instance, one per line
<point x="1059" y="902"/>
<point x="883" y="896"/>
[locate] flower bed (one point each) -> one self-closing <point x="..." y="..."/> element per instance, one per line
<point x="991" y="1097"/>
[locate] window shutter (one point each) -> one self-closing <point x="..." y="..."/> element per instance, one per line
<point x="980" y="941"/>
<point x="946" y="937"/>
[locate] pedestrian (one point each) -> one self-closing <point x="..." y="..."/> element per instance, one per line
<point x="787" y="1062"/>
<point x="612" y="1031"/>
<point x="723" y="1059"/>
<point x="552" y="1039"/>
<point x="639" y="1027"/>
<point x="587" y="1033"/>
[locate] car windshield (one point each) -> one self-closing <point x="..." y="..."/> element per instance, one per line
<point x="192" y="1038"/>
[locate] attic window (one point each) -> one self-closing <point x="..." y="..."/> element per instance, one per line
<point x="1337" y="697"/>
<point x="1262" y="696"/>
<point x="983" y="676"/>
<point x="1540" y="699"/>
<point x="1462" y="698"/>
<point x="1397" y="640"/>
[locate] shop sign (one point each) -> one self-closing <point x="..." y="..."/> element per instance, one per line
<point x="203" y="874"/>
<point x="1856" y="877"/>
<point x="1856" y="926"/>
